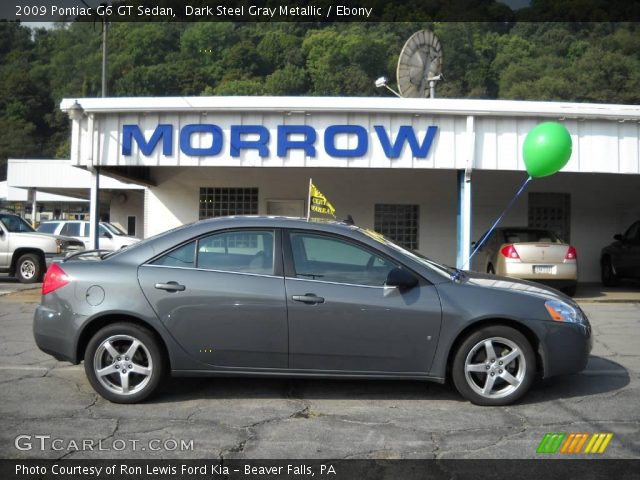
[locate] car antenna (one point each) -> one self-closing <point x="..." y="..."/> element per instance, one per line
<point x="349" y="220"/>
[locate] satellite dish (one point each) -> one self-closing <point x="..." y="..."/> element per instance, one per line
<point x="420" y="60"/>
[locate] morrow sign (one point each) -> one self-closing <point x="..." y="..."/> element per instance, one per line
<point x="288" y="137"/>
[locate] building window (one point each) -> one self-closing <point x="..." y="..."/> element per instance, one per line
<point x="399" y="223"/>
<point x="551" y="211"/>
<point x="220" y="202"/>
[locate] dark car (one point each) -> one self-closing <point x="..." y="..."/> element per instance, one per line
<point x="265" y="296"/>
<point x="621" y="259"/>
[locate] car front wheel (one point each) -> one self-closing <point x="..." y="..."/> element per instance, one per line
<point x="493" y="366"/>
<point x="124" y="363"/>
<point x="29" y="268"/>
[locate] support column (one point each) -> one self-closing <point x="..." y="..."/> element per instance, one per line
<point x="34" y="205"/>
<point x="464" y="201"/>
<point x="94" y="208"/>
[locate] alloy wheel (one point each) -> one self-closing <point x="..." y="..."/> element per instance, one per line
<point x="123" y="365"/>
<point x="495" y="367"/>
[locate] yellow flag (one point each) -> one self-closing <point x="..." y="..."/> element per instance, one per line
<point x="318" y="202"/>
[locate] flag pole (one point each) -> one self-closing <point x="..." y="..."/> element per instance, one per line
<point x="309" y="200"/>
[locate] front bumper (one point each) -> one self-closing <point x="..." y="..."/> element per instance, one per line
<point x="566" y="348"/>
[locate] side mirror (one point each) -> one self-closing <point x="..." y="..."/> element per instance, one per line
<point x="106" y="235"/>
<point x="401" y="278"/>
<point x="618" y="237"/>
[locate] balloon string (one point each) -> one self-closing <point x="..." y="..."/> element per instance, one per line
<point x="488" y="234"/>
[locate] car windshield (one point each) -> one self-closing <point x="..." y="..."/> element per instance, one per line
<point x="418" y="257"/>
<point x="113" y="229"/>
<point x="525" y="235"/>
<point x="14" y="223"/>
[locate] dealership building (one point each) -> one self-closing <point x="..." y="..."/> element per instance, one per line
<point x="432" y="174"/>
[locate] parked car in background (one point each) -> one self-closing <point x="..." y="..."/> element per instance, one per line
<point x="621" y="259"/>
<point x="273" y="296"/>
<point x="111" y="237"/>
<point x="530" y="254"/>
<point x="25" y="253"/>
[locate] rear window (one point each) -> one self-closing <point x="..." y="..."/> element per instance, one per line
<point x="71" y="230"/>
<point x="48" y="227"/>
<point x="525" y="236"/>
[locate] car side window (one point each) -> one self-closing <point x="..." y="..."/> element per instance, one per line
<point x="183" y="256"/>
<point x="330" y="259"/>
<point x="70" y="230"/>
<point x="238" y="251"/>
<point x="633" y="233"/>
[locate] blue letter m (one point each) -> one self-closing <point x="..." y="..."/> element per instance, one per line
<point x="162" y="132"/>
<point x="406" y="134"/>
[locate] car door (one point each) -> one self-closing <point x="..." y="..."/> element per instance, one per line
<point x="5" y="256"/>
<point x="222" y="298"/>
<point x="343" y="319"/>
<point x="628" y="262"/>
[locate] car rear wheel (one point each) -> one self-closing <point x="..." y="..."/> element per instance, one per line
<point x="29" y="268"/>
<point x="494" y="365"/>
<point x="608" y="276"/>
<point x="123" y="363"/>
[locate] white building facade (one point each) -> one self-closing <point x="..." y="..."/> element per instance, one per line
<point x="432" y="173"/>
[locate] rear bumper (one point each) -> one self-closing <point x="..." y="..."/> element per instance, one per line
<point x="564" y="272"/>
<point x="53" y="335"/>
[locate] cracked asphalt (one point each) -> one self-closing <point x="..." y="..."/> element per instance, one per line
<point x="257" y="418"/>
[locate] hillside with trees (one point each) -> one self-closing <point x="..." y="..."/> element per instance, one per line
<point x="582" y="62"/>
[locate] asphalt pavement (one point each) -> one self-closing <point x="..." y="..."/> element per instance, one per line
<point x="48" y="409"/>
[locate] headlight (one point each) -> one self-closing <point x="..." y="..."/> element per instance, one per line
<point x="563" y="312"/>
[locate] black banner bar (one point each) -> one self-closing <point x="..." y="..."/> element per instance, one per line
<point x="320" y="10"/>
<point x="547" y="469"/>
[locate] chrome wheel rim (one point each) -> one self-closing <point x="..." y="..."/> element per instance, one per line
<point x="495" y="367"/>
<point x="28" y="269"/>
<point x="122" y="364"/>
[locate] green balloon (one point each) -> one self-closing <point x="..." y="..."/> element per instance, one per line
<point x="546" y="149"/>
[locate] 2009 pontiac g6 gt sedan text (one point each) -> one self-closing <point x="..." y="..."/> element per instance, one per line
<point x="267" y="296"/>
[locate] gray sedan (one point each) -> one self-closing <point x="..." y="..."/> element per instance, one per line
<point x="265" y="296"/>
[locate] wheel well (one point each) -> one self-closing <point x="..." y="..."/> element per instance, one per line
<point x="21" y="251"/>
<point x="90" y="330"/>
<point x="527" y="332"/>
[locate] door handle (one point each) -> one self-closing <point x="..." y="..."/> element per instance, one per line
<point x="309" y="298"/>
<point x="170" y="287"/>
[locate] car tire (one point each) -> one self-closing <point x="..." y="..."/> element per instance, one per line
<point x="570" y="290"/>
<point x="29" y="268"/>
<point x="483" y="380"/>
<point x="135" y="377"/>
<point x="607" y="274"/>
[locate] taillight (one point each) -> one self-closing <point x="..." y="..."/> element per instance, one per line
<point x="571" y="254"/>
<point x="509" y="251"/>
<point x="54" y="279"/>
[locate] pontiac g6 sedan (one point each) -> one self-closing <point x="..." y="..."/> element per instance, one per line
<point x="266" y="296"/>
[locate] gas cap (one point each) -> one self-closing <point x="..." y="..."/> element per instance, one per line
<point x="94" y="295"/>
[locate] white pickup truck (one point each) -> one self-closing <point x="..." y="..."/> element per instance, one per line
<point x="25" y="253"/>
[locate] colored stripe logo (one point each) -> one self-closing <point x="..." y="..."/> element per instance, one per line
<point x="573" y="443"/>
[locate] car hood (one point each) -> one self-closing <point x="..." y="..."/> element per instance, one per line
<point x="42" y="235"/>
<point x="515" y="285"/>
